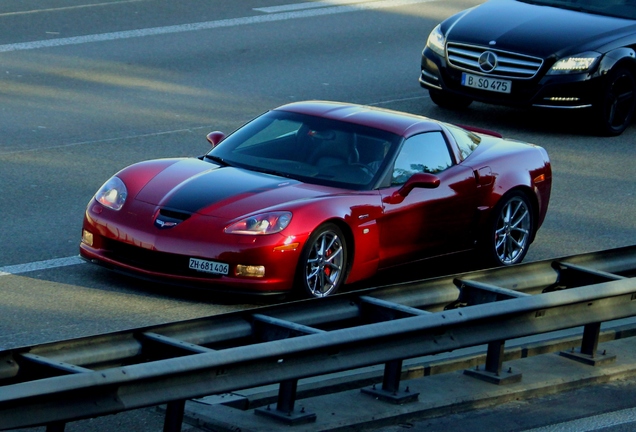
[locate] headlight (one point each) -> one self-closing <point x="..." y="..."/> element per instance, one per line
<point x="436" y="41"/>
<point x="112" y="194"/>
<point x="575" y="64"/>
<point x="265" y="223"/>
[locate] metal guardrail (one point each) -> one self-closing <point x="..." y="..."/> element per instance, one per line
<point x="59" y="382"/>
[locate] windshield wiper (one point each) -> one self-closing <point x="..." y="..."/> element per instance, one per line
<point x="217" y="159"/>
<point x="272" y="172"/>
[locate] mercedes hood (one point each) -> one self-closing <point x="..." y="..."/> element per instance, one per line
<point x="533" y="29"/>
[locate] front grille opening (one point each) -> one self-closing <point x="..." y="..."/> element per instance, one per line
<point x="152" y="260"/>
<point x="509" y="65"/>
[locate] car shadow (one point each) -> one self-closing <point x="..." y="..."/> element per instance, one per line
<point x="420" y="270"/>
<point x="510" y="120"/>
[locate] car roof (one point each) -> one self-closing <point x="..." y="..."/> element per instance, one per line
<point x="399" y="123"/>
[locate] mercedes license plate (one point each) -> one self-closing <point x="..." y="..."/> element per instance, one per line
<point x="209" y="266"/>
<point x="485" y="83"/>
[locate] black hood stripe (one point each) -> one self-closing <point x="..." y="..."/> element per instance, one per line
<point x="218" y="185"/>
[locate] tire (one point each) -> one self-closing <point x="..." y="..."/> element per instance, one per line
<point x="615" y="109"/>
<point x="447" y="100"/>
<point x="323" y="265"/>
<point x="510" y="231"/>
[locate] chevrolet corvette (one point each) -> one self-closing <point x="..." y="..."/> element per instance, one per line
<point x="314" y="195"/>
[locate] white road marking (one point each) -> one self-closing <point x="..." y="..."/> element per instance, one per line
<point x="40" y="265"/>
<point x="65" y="8"/>
<point x="105" y="140"/>
<point x="309" y="5"/>
<point x="233" y="22"/>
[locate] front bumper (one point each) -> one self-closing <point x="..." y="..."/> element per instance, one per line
<point x="571" y="91"/>
<point x="185" y="278"/>
<point x="141" y="250"/>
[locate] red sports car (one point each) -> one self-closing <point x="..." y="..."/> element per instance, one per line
<point x="312" y="195"/>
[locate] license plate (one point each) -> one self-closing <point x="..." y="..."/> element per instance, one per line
<point x="209" y="266"/>
<point x="485" y="83"/>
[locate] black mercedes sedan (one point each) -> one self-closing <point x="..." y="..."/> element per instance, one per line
<point x="557" y="54"/>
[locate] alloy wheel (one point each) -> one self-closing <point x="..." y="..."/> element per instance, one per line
<point x="513" y="231"/>
<point x="325" y="264"/>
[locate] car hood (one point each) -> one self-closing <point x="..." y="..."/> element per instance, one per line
<point x="539" y="31"/>
<point x="192" y="186"/>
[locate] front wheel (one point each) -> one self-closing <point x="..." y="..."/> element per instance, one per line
<point x="510" y="232"/>
<point x="322" y="268"/>
<point x="615" y="108"/>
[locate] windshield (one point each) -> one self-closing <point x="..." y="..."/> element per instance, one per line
<point x="310" y="149"/>
<point x="615" y="8"/>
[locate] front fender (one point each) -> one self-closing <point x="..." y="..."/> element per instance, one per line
<point x="357" y="215"/>
<point x="619" y="55"/>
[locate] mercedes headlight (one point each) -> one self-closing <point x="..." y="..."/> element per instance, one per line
<point x="112" y="194"/>
<point x="264" y="223"/>
<point x="436" y="41"/>
<point x="575" y="64"/>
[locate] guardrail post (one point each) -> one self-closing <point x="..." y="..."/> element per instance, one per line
<point x="588" y="351"/>
<point x="174" y="416"/>
<point x="390" y="391"/>
<point x="494" y="366"/>
<point x="284" y="411"/>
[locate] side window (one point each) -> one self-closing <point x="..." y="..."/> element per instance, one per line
<point x="466" y="141"/>
<point x="426" y="152"/>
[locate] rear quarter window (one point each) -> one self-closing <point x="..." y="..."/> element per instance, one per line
<point x="466" y="141"/>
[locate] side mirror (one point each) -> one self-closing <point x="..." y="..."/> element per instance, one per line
<point x="420" y="180"/>
<point x="215" y="137"/>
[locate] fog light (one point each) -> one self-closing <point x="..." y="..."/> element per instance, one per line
<point x="250" y="270"/>
<point x="87" y="237"/>
<point x="563" y="99"/>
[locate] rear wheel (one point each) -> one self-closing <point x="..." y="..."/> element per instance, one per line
<point x="450" y="101"/>
<point x="323" y="264"/>
<point x="510" y="232"/>
<point x="615" y="108"/>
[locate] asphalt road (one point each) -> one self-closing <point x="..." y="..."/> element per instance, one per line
<point x="88" y="87"/>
